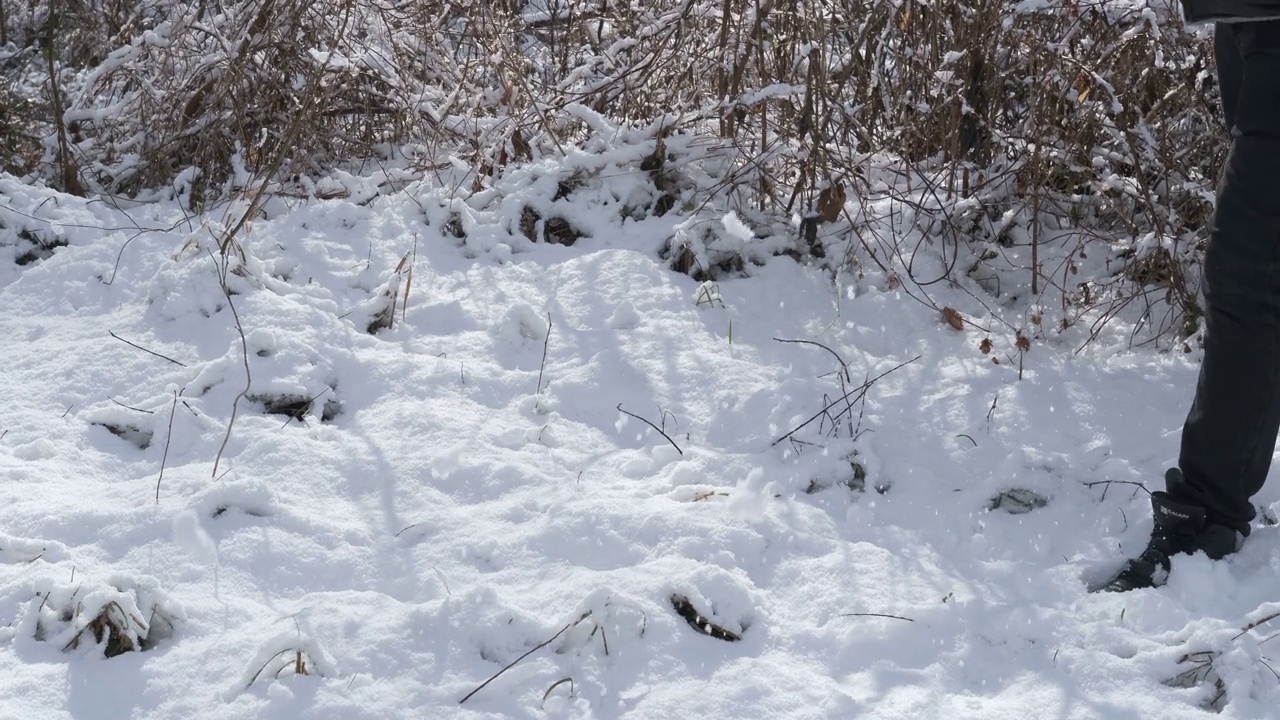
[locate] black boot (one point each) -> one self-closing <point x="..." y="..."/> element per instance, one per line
<point x="1178" y="529"/>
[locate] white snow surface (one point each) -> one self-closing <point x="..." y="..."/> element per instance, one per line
<point x="467" y="503"/>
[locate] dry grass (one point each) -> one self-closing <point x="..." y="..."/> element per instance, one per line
<point x="294" y="660"/>
<point x="117" y="624"/>
<point x="1094" y="120"/>
<point x="114" y="627"/>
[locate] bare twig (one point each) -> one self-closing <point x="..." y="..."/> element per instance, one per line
<point x="150" y="352"/>
<point x="844" y="366"/>
<point x="248" y="376"/>
<point x="655" y="427"/>
<point x="879" y="615"/>
<point x="861" y="390"/>
<point x="130" y="407"/>
<point x="546" y="343"/>
<point x="1260" y="621"/>
<point x="406" y="529"/>
<point x="555" y="685"/>
<point x="173" y="409"/>
<point x="443" y="581"/>
<point x="408" y="285"/>
<point x="120" y="255"/>
<point x="1108" y="483"/>
<point x="531" y="651"/>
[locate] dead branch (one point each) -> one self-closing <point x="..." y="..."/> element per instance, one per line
<point x="145" y="350"/>
<point x="655" y="427"/>
<point x="531" y="651"/>
<point x="860" y="391"/>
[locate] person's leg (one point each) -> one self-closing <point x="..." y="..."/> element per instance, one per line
<point x="1227" y="55"/>
<point x="1230" y="432"/>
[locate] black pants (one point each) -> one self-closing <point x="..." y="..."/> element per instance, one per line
<point x="1230" y="433"/>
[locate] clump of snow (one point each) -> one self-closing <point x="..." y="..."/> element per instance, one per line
<point x="625" y="316"/>
<point x="36" y="450"/>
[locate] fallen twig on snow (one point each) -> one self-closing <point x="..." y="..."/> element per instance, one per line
<point x="844" y="366"/>
<point x="861" y="391"/>
<point x="546" y="343"/>
<point x="879" y="615"/>
<point x="655" y="427"/>
<point x="1109" y="483"/>
<point x="130" y="407"/>
<point x="531" y="651"/>
<point x="168" y="436"/>
<point x="149" y="352"/>
<point x="555" y="685"/>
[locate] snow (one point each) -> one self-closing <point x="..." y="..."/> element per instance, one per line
<point x="553" y="442"/>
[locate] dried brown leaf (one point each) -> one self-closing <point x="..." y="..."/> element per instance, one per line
<point x="1022" y="342"/>
<point x="985" y="346"/>
<point x="952" y="317"/>
<point x="831" y="203"/>
<point x="1083" y="85"/>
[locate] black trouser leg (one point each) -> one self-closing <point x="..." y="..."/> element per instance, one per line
<point x="1230" y="432"/>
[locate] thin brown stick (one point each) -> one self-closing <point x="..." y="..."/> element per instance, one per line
<point x="248" y="376"/>
<point x="861" y="390"/>
<point x="531" y="651"/>
<point x="655" y="427"/>
<point x="408" y="285"/>
<point x="168" y="436"/>
<point x="149" y="352"/>
<point x="546" y="343"/>
<point x="555" y="685"/>
<point x="1108" y="483"/>
<point x="844" y="366"/>
<point x="879" y="615"/>
<point x="130" y="407"/>
<point x="1256" y="623"/>
<point x="407" y="528"/>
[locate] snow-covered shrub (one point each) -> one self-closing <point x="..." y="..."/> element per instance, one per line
<point x="20" y="112"/>
<point x="236" y="91"/>
<point x="1022" y="137"/>
<point x="115" y="617"/>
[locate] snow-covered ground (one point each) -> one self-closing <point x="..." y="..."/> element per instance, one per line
<point x="450" y="501"/>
